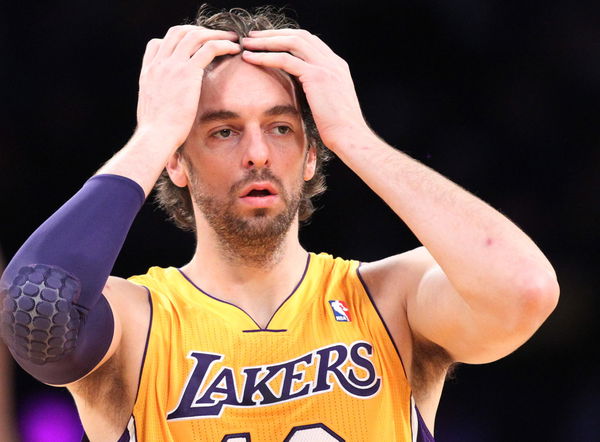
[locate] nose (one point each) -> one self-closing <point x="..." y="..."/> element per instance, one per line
<point x="257" y="152"/>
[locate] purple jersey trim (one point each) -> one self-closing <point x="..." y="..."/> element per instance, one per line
<point x="366" y="287"/>
<point x="228" y="437"/>
<point x="264" y="330"/>
<point x="124" y="437"/>
<point x="423" y="434"/>
<point x="147" y="341"/>
<point x="215" y="298"/>
<point x="143" y="357"/>
<point x="293" y="291"/>
<point x="246" y="313"/>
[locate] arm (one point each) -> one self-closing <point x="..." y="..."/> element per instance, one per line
<point x="55" y="320"/>
<point x="482" y="287"/>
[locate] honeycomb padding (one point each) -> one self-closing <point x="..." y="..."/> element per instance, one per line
<point x="40" y="321"/>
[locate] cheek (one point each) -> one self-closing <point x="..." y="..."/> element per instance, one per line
<point x="212" y="167"/>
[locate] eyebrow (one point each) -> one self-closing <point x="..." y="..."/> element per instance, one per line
<point x="286" y="109"/>
<point x="220" y="115"/>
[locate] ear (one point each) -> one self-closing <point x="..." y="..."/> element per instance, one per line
<point x="311" y="163"/>
<point x="176" y="169"/>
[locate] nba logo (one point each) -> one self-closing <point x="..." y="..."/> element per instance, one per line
<point x="341" y="312"/>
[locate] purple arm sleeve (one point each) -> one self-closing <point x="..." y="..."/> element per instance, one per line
<point x="54" y="319"/>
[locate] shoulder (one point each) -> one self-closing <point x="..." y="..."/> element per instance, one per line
<point x="158" y="279"/>
<point x="390" y="282"/>
<point x="395" y="276"/>
<point x="125" y="298"/>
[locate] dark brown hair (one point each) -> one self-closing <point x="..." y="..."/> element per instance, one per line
<point x="176" y="201"/>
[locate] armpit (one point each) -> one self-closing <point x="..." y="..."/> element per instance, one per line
<point x="104" y="392"/>
<point x="431" y="363"/>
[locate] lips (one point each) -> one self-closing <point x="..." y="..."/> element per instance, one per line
<point x="260" y="195"/>
<point x="258" y="190"/>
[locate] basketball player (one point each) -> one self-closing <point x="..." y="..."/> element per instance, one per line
<point x="255" y="338"/>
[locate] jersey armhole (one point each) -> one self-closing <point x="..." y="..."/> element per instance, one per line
<point x="130" y="432"/>
<point x="420" y="431"/>
<point x="372" y="301"/>
<point x="142" y="366"/>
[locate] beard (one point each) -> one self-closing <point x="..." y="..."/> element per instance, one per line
<point x="254" y="240"/>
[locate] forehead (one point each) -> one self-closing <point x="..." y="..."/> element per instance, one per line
<point x="238" y="86"/>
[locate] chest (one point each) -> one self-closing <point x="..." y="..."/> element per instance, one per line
<point x="324" y="359"/>
<point x="299" y="353"/>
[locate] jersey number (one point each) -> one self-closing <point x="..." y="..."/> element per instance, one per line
<point x="303" y="433"/>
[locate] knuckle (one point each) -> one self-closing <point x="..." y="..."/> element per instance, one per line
<point x="315" y="39"/>
<point x="343" y="63"/>
<point x="153" y="43"/>
<point x="287" y="61"/>
<point x="173" y="29"/>
<point x="320" y="73"/>
<point x="214" y="45"/>
<point x="197" y="32"/>
<point x="293" y="39"/>
<point x="211" y="44"/>
<point x="178" y="29"/>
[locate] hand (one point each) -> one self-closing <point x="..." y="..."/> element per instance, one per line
<point x="325" y="78"/>
<point x="171" y="79"/>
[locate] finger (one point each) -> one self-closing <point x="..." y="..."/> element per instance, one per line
<point x="194" y="40"/>
<point x="278" y="60"/>
<point x="315" y="42"/>
<point x="283" y="31"/>
<point x="172" y="38"/>
<point x="151" y="50"/>
<point x="299" y="47"/>
<point x="214" y="48"/>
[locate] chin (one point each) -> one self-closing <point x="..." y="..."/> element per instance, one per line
<point x="260" y="213"/>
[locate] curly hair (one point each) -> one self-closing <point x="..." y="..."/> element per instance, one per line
<point x="176" y="201"/>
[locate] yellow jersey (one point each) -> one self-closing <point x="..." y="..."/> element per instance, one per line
<point x="324" y="368"/>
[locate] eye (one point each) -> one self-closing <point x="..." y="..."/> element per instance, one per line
<point x="281" y="130"/>
<point x="222" y="133"/>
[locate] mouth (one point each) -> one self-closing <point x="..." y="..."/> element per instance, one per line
<point x="259" y="195"/>
<point x="259" y="190"/>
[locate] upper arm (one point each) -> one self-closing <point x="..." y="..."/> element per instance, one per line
<point x="434" y="312"/>
<point x="129" y="309"/>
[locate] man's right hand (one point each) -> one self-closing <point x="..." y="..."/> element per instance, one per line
<point x="170" y="84"/>
<point x="171" y="78"/>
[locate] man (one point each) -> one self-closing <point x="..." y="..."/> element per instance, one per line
<point x="256" y="339"/>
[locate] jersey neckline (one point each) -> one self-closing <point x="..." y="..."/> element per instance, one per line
<point x="259" y="328"/>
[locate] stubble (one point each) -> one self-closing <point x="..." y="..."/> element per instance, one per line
<point x="255" y="240"/>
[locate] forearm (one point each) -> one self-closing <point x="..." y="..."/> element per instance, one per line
<point x="143" y="158"/>
<point x="54" y="318"/>
<point x="482" y="252"/>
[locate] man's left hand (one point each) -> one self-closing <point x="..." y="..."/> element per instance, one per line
<point x="325" y="78"/>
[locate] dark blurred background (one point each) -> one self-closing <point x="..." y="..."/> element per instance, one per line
<point x="500" y="96"/>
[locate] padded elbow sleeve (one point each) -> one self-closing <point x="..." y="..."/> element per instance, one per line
<point x="55" y="321"/>
<point x="41" y="315"/>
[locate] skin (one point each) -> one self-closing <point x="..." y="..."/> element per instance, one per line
<point x="476" y="291"/>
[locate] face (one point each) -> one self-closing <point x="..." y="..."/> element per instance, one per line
<point x="246" y="159"/>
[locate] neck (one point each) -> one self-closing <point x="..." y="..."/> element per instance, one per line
<point x="257" y="280"/>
